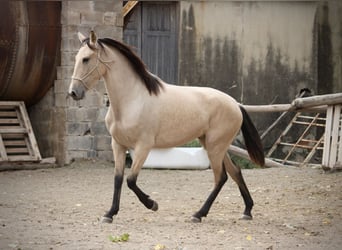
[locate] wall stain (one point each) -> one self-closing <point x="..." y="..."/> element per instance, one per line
<point x="325" y="68"/>
<point x="217" y="62"/>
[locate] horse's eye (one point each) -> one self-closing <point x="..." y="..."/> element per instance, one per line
<point x="85" y="60"/>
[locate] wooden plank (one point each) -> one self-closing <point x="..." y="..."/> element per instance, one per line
<point x="334" y="135"/>
<point x="9" y="121"/>
<point x="14" y="143"/>
<point x="28" y="126"/>
<point x="9" y="130"/>
<point x="327" y="137"/>
<point x="8" y="114"/>
<point x="296" y="145"/>
<point x="21" y="158"/>
<point x="301" y="137"/>
<point x="244" y="154"/>
<point x="17" y="150"/>
<point x="274" y="147"/>
<point x="128" y="7"/>
<point x="14" y="136"/>
<point x="27" y="165"/>
<point x="339" y="156"/>
<point x="9" y="143"/>
<point x="314" y="149"/>
<point x="3" y="153"/>
<point x="282" y="108"/>
<point x="330" y="99"/>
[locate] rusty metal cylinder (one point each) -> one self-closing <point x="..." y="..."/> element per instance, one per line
<point x="30" y="38"/>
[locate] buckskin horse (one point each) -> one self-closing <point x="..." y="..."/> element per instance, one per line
<point x="146" y="112"/>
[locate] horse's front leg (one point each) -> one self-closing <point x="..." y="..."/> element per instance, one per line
<point x="140" y="155"/>
<point x="120" y="160"/>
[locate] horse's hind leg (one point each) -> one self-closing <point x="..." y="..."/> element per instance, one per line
<point x="220" y="178"/>
<point x="235" y="172"/>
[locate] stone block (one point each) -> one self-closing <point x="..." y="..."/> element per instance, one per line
<point x="102" y="6"/>
<point x="92" y="99"/>
<point x="103" y="142"/>
<point x="91" y="154"/>
<point x="91" y="114"/>
<point x="91" y="18"/>
<point x="101" y="115"/>
<point x="71" y="44"/>
<point x="72" y="155"/>
<point x="105" y="155"/>
<point x="78" y="128"/>
<point x="109" y="18"/>
<point x="72" y="17"/>
<point x="80" y="142"/>
<point x="99" y="128"/>
<point x="69" y="31"/>
<point x="76" y="114"/>
<point x="68" y="58"/>
<point x="61" y="86"/>
<point x="80" y="6"/>
<point x="64" y="72"/>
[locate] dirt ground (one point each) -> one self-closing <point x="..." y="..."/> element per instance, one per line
<point x="295" y="208"/>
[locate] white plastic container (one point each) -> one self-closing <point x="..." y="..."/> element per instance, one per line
<point x="177" y="158"/>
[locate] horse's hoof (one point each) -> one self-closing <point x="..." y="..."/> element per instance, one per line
<point x="196" y="219"/>
<point x="155" y="206"/>
<point x="246" y="217"/>
<point x="106" y="220"/>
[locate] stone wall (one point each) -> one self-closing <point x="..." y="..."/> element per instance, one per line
<point x="70" y="129"/>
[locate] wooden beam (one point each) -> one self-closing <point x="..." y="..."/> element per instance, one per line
<point x="244" y="154"/>
<point x="128" y="7"/>
<point x="282" y="108"/>
<point x="305" y="102"/>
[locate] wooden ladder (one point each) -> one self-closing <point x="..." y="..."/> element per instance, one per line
<point x="303" y="142"/>
<point x="17" y="141"/>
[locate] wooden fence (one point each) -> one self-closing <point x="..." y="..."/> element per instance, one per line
<point x="327" y="115"/>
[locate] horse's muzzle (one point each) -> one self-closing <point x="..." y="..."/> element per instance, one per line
<point x="76" y="91"/>
<point x="76" y="94"/>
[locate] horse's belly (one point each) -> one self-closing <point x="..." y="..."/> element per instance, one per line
<point x="179" y="131"/>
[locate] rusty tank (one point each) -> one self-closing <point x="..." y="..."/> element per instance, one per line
<point x="30" y="38"/>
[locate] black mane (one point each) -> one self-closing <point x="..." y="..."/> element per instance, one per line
<point x="151" y="82"/>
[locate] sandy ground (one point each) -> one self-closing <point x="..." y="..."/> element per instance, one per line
<point x="61" y="209"/>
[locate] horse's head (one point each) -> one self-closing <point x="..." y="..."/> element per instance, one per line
<point x="88" y="70"/>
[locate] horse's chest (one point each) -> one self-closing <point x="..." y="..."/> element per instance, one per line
<point x="124" y="135"/>
<point x="122" y="131"/>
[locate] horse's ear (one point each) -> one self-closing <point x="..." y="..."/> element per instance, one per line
<point x="81" y="37"/>
<point x="92" y="38"/>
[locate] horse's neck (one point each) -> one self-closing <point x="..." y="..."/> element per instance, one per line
<point x="124" y="88"/>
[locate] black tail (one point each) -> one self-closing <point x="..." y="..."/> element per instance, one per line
<point x="252" y="139"/>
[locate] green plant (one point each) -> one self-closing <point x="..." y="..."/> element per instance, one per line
<point x="243" y="163"/>
<point x="192" y="144"/>
<point x="121" y="238"/>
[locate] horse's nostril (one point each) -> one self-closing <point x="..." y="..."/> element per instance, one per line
<point x="73" y="94"/>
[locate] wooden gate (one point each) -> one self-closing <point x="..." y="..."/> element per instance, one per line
<point x="151" y="28"/>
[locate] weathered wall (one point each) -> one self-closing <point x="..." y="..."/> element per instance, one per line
<point x="261" y="52"/>
<point x="65" y="128"/>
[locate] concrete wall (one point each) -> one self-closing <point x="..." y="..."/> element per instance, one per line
<point x="65" y="128"/>
<point x="261" y="52"/>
